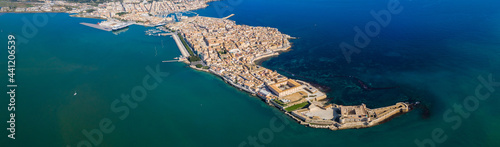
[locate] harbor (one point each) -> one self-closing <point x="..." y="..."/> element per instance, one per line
<point x="162" y="31"/>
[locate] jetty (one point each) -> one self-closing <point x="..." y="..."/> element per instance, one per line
<point x="171" y="61"/>
<point x="228" y="16"/>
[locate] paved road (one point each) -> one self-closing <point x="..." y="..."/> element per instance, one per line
<point x="183" y="49"/>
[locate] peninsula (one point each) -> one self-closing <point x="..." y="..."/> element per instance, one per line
<point x="230" y="51"/>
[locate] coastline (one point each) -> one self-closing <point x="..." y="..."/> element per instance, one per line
<point x="259" y="59"/>
<point x="262" y="59"/>
<point x="307" y="122"/>
<point x="398" y="109"/>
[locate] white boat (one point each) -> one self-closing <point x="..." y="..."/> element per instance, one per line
<point x="114" y="24"/>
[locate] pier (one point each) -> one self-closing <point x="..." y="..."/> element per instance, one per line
<point x="228" y="16"/>
<point x="171" y="61"/>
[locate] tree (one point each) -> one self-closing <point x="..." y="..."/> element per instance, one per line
<point x="199" y="65"/>
<point x="90" y="10"/>
<point x="194" y="58"/>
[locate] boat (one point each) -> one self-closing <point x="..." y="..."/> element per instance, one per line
<point x="119" y="26"/>
<point x="114" y="25"/>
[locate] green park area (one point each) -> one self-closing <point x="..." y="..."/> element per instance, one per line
<point x="297" y="106"/>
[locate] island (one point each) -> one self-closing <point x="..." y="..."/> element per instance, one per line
<point x="230" y="51"/>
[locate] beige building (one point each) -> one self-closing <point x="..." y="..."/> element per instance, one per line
<point x="355" y="114"/>
<point x="285" y="88"/>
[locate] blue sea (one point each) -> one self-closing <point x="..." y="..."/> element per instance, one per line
<point x="444" y="54"/>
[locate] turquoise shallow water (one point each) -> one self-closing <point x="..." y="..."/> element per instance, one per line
<point x="433" y="50"/>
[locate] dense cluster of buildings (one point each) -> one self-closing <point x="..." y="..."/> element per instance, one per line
<point x="225" y="41"/>
<point x="230" y="51"/>
<point x="143" y="12"/>
<point x="43" y="6"/>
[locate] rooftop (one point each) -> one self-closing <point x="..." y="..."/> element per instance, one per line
<point x="284" y="85"/>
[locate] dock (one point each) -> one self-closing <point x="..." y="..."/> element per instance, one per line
<point x="96" y="26"/>
<point x="171" y="61"/>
